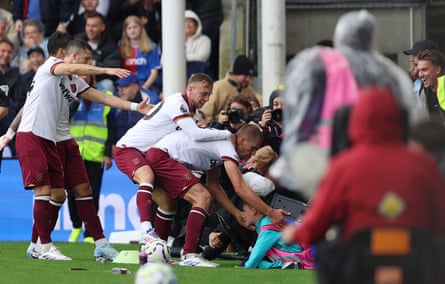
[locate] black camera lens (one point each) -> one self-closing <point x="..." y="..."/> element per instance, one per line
<point x="277" y="115"/>
<point x="235" y="115"/>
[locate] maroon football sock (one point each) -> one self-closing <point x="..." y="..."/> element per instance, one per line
<point x="193" y="229"/>
<point x="143" y="201"/>
<point x="53" y="211"/>
<point x="41" y="219"/>
<point x="163" y="223"/>
<point x="88" y="215"/>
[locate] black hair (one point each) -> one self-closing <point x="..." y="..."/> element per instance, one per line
<point x="56" y="41"/>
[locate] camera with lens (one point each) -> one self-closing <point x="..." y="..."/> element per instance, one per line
<point x="235" y="115"/>
<point x="277" y="115"/>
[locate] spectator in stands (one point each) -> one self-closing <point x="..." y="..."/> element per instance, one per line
<point x="417" y="47"/>
<point x="270" y="118"/>
<point x="148" y="10"/>
<point x="269" y="251"/>
<point x="141" y="56"/>
<point x="54" y="14"/>
<point x="9" y="81"/>
<point x="238" y="81"/>
<point x="32" y="35"/>
<point x="430" y="64"/>
<point x="254" y="103"/>
<point x="77" y="25"/>
<point x="210" y="12"/>
<point x="7" y="28"/>
<point x="105" y="53"/>
<point x="197" y="46"/>
<point x="233" y="117"/>
<point x="128" y="89"/>
<point x="103" y="7"/>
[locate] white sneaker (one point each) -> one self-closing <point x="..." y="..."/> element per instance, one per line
<point x="54" y="254"/>
<point x="149" y="236"/>
<point x="33" y="251"/>
<point x="194" y="259"/>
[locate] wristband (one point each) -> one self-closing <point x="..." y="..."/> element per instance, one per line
<point x="10" y="134"/>
<point x="134" y="106"/>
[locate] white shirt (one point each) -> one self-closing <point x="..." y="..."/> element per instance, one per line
<point x="200" y="156"/>
<point x="166" y="117"/>
<point x="48" y="100"/>
<point x="63" y="127"/>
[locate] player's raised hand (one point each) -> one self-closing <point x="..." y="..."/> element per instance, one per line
<point x="277" y="216"/>
<point x="143" y="107"/>
<point x="6" y="138"/>
<point x="118" y="72"/>
<point x="4" y="141"/>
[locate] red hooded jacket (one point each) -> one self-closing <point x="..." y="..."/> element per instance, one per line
<point x="379" y="181"/>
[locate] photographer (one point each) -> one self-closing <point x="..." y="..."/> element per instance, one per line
<point x="270" y="118"/>
<point x="233" y="118"/>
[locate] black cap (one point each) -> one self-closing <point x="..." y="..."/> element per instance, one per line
<point x="243" y="66"/>
<point x="420" y="46"/>
<point x="37" y="49"/>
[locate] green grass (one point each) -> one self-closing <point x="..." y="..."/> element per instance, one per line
<point x="15" y="268"/>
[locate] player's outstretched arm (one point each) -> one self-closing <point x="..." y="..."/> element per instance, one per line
<point x="248" y="195"/>
<point x="192" y="130"/>
<point x="10" y="133"/>
<point x="220" y="195"/>
<point x="96" y="96"/>
<point x="87" y="69"/>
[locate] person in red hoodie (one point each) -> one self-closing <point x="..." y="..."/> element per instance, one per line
<point x="377" y="182"/>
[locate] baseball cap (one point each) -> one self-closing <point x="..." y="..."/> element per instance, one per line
<point x="243" y="66"/>
<point x="130" y="79"/>
<point x="420" y="46"/>
<point x="37" y="49"/>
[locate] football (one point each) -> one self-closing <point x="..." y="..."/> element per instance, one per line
<point x="155" y="273"/>
<point x="155" y="251"/>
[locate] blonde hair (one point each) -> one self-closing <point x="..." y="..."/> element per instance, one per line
<point x="144" y="41"/>
<point x="263" y="157"/>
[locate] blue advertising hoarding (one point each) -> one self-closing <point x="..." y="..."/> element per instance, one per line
<point x="118" y="211"/>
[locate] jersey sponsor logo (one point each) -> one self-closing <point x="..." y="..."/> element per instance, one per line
<point x="136" y="61"/>
<point x="183" y="109"/>
<point x="213" y="163"/>
<point x="65" y="91"/>
<point x="73" y="88"/>
<point x="155" y="110"/>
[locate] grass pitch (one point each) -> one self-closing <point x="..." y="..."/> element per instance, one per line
<point x="15" y="268"/>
